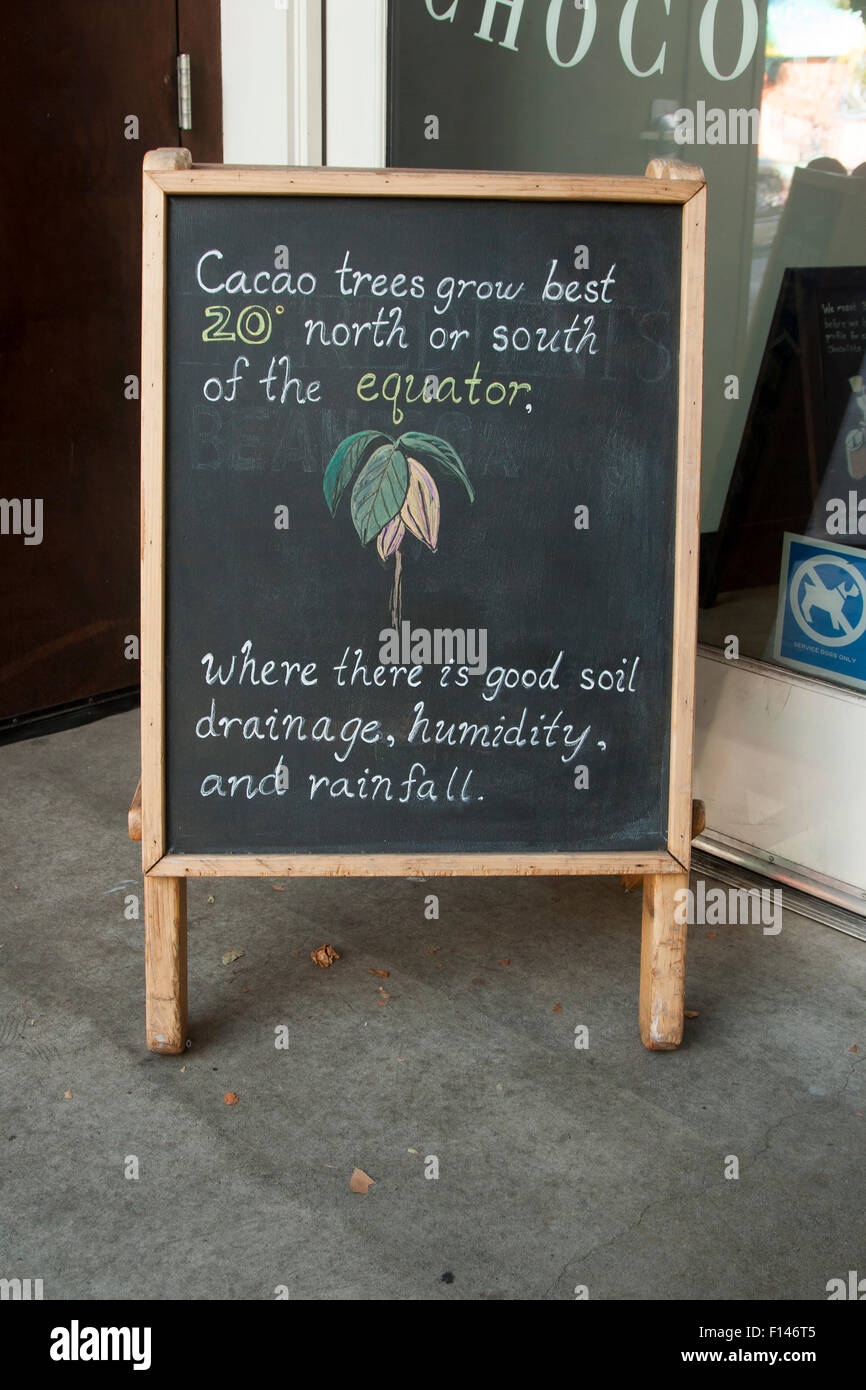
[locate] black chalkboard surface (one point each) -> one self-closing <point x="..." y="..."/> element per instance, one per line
<point x="540" y="445"/>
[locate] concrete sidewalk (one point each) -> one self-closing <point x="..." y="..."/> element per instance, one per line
<point x="557" y="1167"/>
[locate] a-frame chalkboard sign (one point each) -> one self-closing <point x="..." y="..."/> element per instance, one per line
<point x="420" y="489"/>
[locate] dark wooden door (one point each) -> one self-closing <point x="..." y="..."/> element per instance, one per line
<point x="88" y="88"/>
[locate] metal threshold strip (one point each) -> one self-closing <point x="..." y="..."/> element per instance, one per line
<point x="815" y="896"/>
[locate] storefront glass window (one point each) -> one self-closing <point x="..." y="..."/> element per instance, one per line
<point x="769" y="97"/>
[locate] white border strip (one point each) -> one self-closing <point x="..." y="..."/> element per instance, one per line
<point x="272" y="82"/>
<point x="305" y="55"/>
<point x="757" y="667"/>
<point x="356" y="49"/>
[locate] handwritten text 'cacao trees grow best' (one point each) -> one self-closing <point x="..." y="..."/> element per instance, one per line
<point x="275" y="307"/>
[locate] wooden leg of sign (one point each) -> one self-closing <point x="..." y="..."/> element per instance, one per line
<point x="662" y="962"/>
<point x="165" y="962"/>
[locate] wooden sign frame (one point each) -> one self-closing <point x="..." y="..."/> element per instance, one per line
<point x="170" y="171"/>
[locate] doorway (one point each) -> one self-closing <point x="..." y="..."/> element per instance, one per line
<point x="92" y="88"/>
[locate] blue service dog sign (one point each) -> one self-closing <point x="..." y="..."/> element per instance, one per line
<point x="821" y="622"/>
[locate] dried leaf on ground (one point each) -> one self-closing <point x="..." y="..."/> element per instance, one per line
<point x="361" y="1182"/>
<point x="383" y="974"/>
<point x="691" y="1013"/>
<point x="853" y="1048"/>
<point x="231" y="1097"/>
<point x="557" y="1008"/>
<point x="324" y="956"/>
<point x="234" y="954"/>
<point x="506" y="960"/>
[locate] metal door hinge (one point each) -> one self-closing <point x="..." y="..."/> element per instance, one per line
<point x="184" y="92"/>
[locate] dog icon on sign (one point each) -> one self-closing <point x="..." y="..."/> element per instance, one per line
<point x="828" y="600"/>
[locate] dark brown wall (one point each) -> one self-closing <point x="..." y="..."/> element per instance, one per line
<point x="70" y="242"/>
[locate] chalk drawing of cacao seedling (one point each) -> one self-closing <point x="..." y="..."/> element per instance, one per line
<point x="394" y="492"/>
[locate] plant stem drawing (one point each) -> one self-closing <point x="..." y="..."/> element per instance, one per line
<point x="394" y="492"/>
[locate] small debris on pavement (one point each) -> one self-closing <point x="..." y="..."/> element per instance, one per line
<point x="324" y="956"/>
<point x="361" y="1182"/>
